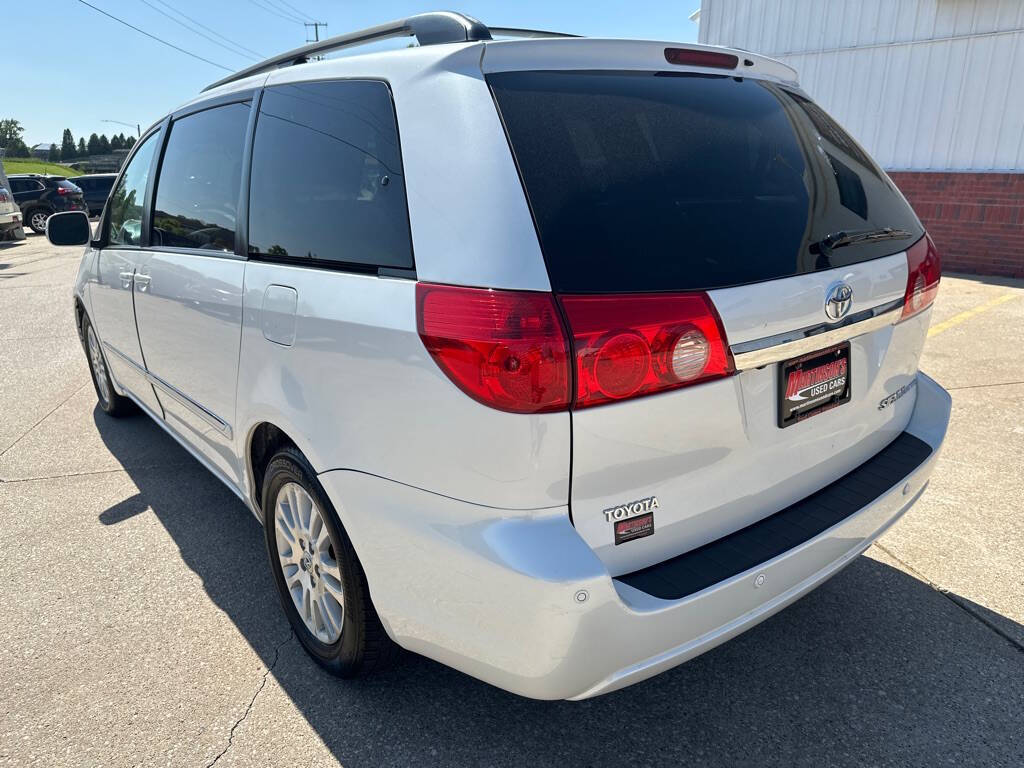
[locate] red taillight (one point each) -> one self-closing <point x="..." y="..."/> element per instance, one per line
<point x="633" y="345"/>
<point x="4" y="197"/>
<point x="924" y="269"/>
<point x="506" y="349"/>
<point x="697" y="58"/>
<point x="65" y="191"/>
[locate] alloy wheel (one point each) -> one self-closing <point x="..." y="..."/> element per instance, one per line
<point x="99" y="368"/>
<point x="308" y="561"/>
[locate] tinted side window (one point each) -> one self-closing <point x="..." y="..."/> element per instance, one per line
<point x="197" y="189"/>
<point x="127" y="199"/>
<point x="327" y="180"/>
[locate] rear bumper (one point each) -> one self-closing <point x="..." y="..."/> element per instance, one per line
<point x="10" y="220"/>
<point x="519" y="600"/>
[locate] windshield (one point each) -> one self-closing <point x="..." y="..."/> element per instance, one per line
<point x="642" y="181"/>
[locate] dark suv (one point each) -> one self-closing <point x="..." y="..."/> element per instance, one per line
<point x="40" y="196"/>
<point x="96" y="188"/>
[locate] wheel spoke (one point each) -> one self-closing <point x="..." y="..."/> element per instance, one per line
<point x="306" y="552"/>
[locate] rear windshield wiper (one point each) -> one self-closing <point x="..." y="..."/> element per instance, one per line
<point x="829" y="243"/>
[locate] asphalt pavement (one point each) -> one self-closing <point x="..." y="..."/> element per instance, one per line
<point x="139" y="626"/>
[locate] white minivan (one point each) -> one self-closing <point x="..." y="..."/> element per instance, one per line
<point x="557" y="360"/>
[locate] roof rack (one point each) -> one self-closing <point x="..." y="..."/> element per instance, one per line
<point x="428" y="29"/>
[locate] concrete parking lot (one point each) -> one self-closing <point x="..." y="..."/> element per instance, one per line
<point x="138" y="622"/>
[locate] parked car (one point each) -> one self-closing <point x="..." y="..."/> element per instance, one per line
<point x="10" y="214"/>
<point x="95" y="188"/>
<point x="41" y="196"/>
<point x="560" y="361"/>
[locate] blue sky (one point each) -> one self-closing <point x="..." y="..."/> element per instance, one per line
<point x="79" y="67"/>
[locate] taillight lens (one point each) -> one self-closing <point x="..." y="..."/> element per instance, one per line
<point x="67" y="191"/>
<point x="632" y="345"/>
<point x="4" y="197"/>
<point x="924" y="269"/>
<point x="506" y="349"/>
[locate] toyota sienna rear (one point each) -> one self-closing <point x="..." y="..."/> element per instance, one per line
<point x="560" y="361"/>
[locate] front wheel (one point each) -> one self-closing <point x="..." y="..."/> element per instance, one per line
<point x="37" y="220"/>
<point x="319" y="578"/>
<point x="110" y="402"/>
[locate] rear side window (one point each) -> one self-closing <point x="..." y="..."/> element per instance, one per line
<point x="643" y="181"/>
<point x="200" y="178"/>
<point x="327" y="182"/>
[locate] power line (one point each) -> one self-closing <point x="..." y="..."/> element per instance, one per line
<point x="286" y="4"/>
<point x="271" y="9"/>
<point x="211" y="31"/>
<point x="154" y="37"/>
<point x="196" y="31"/>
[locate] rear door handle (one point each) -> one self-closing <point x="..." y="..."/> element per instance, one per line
<point x="142" y="282"/>
<point x="126" y="280"/>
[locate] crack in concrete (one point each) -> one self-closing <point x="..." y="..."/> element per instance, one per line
<point x="252" y="702"/>
<point x="983" y="386"/>
<point x="44" y="418"/>
<point x="86" y="473"/>
<point x="955" y="600"/>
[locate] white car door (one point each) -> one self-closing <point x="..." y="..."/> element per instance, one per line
<point x="188" y="290"/>
<point x="110" y="294"/>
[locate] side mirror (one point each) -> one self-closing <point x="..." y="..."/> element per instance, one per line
<point x="69" y="228"/>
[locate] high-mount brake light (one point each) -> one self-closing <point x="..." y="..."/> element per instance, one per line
<point x="924" y="270"/>
<point x="698" y="58"/>
<point x="639" y="344"/>
<point x="506" y="349"/>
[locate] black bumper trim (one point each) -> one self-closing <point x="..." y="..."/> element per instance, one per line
<point x="759" y="542"/>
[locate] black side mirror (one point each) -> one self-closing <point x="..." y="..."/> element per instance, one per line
<point x="69" y="228"/>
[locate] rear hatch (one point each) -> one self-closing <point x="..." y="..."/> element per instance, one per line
<point x="655" y="183"/>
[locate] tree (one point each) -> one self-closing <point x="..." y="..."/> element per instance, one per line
<point x="94" y="144"/>
<point x="67" y="146"/>
<point x="10" y="131"/>
<point x="54" y="155"/>
<point x="17" y="148"/>
<point x="116" y="142"/>
<point x="104" y="144"/>
<point x="82" y="151"/>
<point x="129" y="142"/>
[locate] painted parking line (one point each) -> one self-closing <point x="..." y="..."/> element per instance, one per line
<point x="945" y="325"/>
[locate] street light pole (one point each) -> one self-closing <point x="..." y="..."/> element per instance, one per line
<point x="137" y="126"/>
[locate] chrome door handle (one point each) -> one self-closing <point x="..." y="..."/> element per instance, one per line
<point x="126" y="280"/>
<point x="142" y="282"/>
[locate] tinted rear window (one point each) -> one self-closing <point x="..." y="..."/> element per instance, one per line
<point x="327" y="182"/>
<point x="669" y="181"/>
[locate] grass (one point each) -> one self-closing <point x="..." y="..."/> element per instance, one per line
<point x="30" y="165"/>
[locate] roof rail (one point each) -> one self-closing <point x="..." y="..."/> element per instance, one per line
<point x="517" y="32"/>
<point x="427" y="28"/>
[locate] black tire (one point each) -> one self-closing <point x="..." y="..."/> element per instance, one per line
<point x="110" y="402"/>
<point x="363" y="646"/>
<point x="32" y="219"/>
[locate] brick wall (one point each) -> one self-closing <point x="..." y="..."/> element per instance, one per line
<point x="976" y="219"/>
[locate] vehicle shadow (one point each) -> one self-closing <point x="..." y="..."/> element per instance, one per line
<point x="873" y="668"/>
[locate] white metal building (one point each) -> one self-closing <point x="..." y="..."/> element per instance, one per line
<point x="922" y="84"/>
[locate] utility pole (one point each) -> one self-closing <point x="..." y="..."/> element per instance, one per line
<point x="316" y="30"/>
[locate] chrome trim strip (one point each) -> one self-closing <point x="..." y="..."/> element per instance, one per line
<point x="176" y="394"/>
<point x="783" y="346"/>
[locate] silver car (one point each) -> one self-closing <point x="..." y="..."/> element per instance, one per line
<point x="557" y="360"/>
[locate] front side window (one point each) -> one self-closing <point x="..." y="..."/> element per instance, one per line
<point x="197" y="190"/>
<point x="327" y="183"/>
<point x="129" y="196"/>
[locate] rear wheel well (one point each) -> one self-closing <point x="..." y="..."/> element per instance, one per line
<point x="265" y="442"/>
